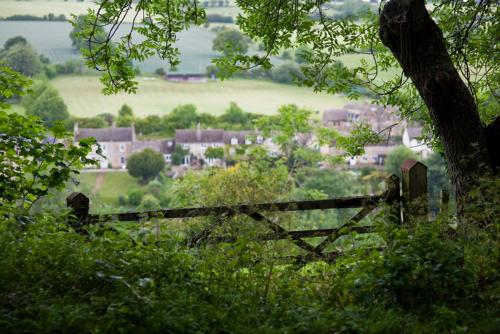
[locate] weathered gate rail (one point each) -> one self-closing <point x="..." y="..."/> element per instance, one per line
<point x="414" y="186"/>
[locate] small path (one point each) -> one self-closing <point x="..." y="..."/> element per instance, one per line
<point x="98" y="182"/>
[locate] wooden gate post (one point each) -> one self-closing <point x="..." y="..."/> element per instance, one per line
<point x="414" y="177"/>
<point x="393" y="197"/>
<point x="79" y="205"/>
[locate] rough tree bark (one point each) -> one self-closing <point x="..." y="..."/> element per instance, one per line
<point x="408" y="30"/>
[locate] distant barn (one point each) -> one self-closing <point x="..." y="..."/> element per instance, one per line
<point x="194" y="78"/>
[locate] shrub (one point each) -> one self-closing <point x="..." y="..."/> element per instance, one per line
<point x="146" y="164"/>
<point x="160" y="71"/>
<point x="122" y="200"/>
<point x="135" y="197"/>
<point x="149" y="202"/>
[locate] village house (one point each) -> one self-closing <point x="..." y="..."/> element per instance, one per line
<point x="197" y="141"/>
<point x="412" y="139"/>
<point x="116" y="144"/>
<point x="379" y="118"/>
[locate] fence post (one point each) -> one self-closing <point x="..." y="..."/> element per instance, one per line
<point x="414" y="184"/>
<point x="79" y="205"/>
<point x="444" y="200"/>
<point x="393" y="197"/>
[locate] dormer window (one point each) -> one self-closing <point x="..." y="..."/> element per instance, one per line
<point x="248" y="142"/>
<point x="234" y="141"/>
<point x="169" y="143"/>
<point x="260" y="140"/>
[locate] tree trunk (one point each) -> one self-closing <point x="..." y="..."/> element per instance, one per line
<point x="408" y="30"/>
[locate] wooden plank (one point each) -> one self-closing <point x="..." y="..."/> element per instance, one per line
<point x="289" y="234"/>
<point x="334" y="236"/>
<point x="334" y="203"/>
<point x="280" y="230"/>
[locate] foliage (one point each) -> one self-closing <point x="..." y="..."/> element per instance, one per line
<point x="243" y="183"/>
<point x="146" y="164"/>
<point x="149" y="202"/>
<point x="178" y="155"/>
<point x="230" y="41"/>
<point x="48" y="106"/>
<point x="141" y="277"/>
<point x="83" y="45"/>
<point x="125" y="111"/>
<point x="21" y="57"/>
<point x="92" y="122"/>
<point x="393" y="162"/>
<point x="32" y="162"/>
<point x="160" y="71"/>
<point x="286" y="73"/>
<point x="352" y="9"/>
<point x="12" y="84"/>
<point x="214" y="153"/>
<point x="217" y="18"/>
<point x="135" y="197"/>
<point x="26" y="17"/>
<point x="14" y="40"/>
<point x="437" y="179"/>
<point x="284" y="127"/>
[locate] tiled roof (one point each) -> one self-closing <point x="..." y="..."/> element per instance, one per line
<point x="333" y="115"/>
<point x="240" y="135"/>
<point x="107" y="134"/>
<point x="166" y="146"/>
<point x="199" y="136"/>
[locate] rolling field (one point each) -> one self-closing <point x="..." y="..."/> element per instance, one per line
<point x="83" y="96"/>
<point x="52" y="40"/>
<point x="57" y="7"/>
<point x="44" y="7"/>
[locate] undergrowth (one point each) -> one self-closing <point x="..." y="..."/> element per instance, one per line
<point x="428" y="279"/>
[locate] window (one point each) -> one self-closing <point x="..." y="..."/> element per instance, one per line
<point x="260" y="140"/>
<point x="248" y="142"/>
<point x="169" y="143"/>
<point x="122" y="147"/>
<point x="184" y="146"/>
<point x="234" y="141"/>
<point x="103" y="147"/>
<point x="122" y="160"/>
<point x="168" y="157"/>
<point x="204" y="145"/>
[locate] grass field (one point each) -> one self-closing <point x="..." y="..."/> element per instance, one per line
<point x="57" y="7"/>
<point x="83" y="96"/>
<point x="44" y="7"/>
<point x="52" y="40"/>
<point x="106" y="186"/>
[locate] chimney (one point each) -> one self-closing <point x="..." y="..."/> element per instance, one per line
<point x="198" y="132"/>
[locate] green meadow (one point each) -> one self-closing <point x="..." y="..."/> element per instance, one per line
<point x="82" y="94"/>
